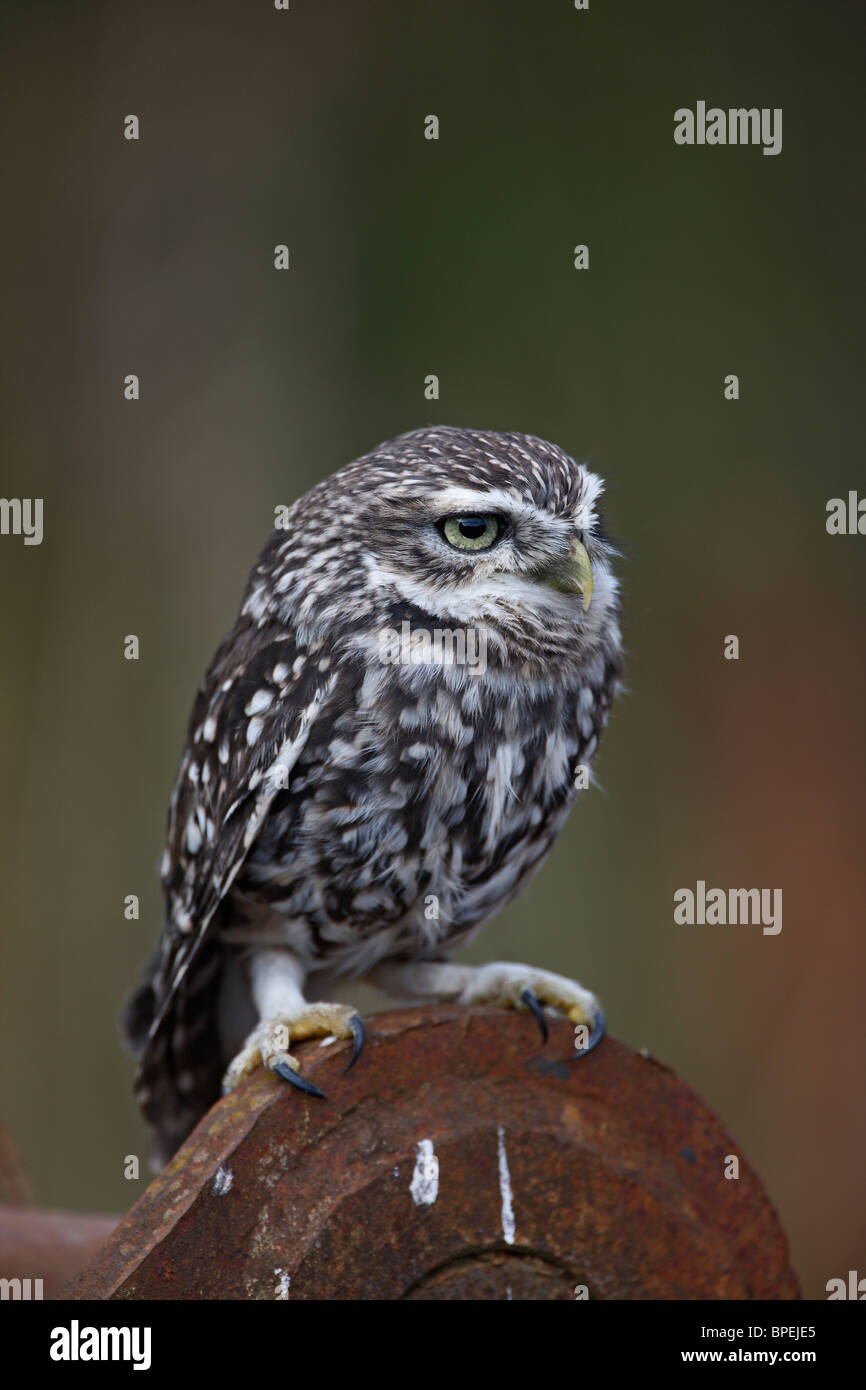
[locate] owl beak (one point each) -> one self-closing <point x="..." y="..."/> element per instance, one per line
<point x="576" y="575"/>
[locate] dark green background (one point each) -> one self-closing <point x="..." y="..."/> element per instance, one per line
<point x="411" y="257"/>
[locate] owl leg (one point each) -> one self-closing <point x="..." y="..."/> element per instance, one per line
<point x="276" y="981"/>
<point x="501" y="983"/>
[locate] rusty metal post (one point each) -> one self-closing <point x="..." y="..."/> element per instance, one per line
<point x="457" y="1160"/>
<point x="40" y="1251"/>
<point x="44" y="1249"/>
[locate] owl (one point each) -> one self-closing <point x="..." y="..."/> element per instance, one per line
<point x="383" y="750"/>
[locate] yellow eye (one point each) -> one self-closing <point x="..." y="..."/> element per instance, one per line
<point x="471" y="532"/>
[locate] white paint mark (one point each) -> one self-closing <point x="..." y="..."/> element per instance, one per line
<point x="326" y="1042"/>
<point x="425" y="1177"/>
<point x="508" y="1227"/>
<point x="281" y="1289"/>
<point x="222" y="1183"/>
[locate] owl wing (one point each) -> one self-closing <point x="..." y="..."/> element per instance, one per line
<point x="250" y="722"/>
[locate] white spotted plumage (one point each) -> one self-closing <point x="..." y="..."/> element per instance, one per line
<point x="324" y="794"/>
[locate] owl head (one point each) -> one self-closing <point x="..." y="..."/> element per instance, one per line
<point x="462" y="527"/>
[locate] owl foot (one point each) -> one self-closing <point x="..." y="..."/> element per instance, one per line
<point x="522" y="987"/>
<point x="268" y="1044"/>
<point x="532" y="1004"/>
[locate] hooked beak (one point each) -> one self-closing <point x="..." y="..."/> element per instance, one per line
<point x="575" y="577"/>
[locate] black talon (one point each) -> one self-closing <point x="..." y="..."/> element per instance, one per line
<point x="595" y="1037"/>
<point x="294" y="1079"/>
<point x="357" y="1026"/>
<point x="532" y="1004"/>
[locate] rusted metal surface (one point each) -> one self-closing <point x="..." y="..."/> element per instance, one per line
<point x="48" y="1247"/>
<point x="40" y="1251"/>
<point x="604" y="1172"/>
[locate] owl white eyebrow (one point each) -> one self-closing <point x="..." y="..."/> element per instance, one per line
<point x="456" y="499"/>
<point x="466" y="499"/>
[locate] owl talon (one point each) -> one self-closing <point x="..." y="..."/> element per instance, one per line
<point x="269" y="1043"/>
<point x="356" y="1024"/>
<point x="530" y="999"/>
<point x="295" y="1079"/>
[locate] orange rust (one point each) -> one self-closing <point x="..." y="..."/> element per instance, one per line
<point x="615" y="1180"/>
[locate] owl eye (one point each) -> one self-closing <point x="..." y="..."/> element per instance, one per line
<point x="471" y="532"/>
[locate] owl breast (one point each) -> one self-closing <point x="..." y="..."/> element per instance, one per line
<point x="411" y="819"/>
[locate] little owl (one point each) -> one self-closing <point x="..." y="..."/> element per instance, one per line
<point x="383" y="750"/>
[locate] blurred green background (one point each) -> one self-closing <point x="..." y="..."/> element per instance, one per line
<point x="454" y="257"/>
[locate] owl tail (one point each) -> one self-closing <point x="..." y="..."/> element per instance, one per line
<point x="180" y="1059"/>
